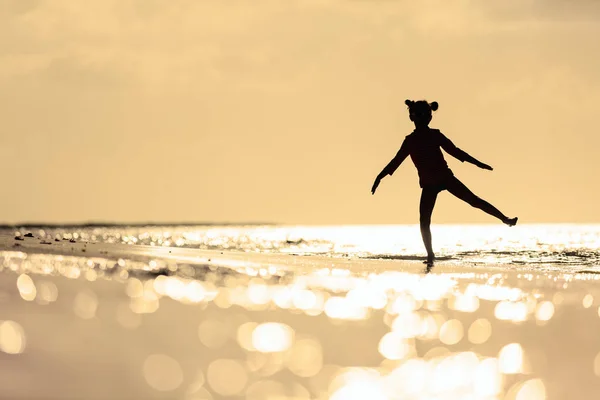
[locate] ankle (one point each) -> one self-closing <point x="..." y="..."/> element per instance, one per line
<point x="511" y="221"/>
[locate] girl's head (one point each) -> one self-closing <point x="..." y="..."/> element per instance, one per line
<point x="420" y="111"/>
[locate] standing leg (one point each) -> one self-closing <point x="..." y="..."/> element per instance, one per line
<point x="428" y="197"/>
<point x="458" y="189"/>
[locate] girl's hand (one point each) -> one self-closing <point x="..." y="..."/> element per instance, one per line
<point x="375" y="184"/>
<point x="485" y="166"/>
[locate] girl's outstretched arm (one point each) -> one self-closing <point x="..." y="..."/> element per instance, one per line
<point x="461" y="155"/>
<point x="392" y="165"/>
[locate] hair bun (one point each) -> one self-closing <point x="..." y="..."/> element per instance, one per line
<point x="434" y="105"/>
<point x="408" y="102"/>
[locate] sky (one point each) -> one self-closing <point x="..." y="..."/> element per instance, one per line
<point x="284" y="111"/>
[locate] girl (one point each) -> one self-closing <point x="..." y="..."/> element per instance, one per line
<point x="423" y="145"/>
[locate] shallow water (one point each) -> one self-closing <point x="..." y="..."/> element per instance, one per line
<point x="566" y="247"/>
<point x="505" y="315"/>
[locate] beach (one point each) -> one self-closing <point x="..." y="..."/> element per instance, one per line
<point x="215" y="200"/>
<point x="111" y="319"/>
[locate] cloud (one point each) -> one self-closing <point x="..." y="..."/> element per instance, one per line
<point x="158" y="45"/>
<point x="557" y="88"/>
<point x="177" y="43"/>
<point x="529" y="11"/>
<point x="117" y="33"/>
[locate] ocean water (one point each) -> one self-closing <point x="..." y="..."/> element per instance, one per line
<point x="184" y="327"/>
<point x="565" y="247"/>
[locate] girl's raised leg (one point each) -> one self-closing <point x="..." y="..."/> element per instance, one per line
<point x="458" y="189"/>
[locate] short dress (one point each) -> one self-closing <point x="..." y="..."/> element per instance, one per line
<point x="424" y="147"/>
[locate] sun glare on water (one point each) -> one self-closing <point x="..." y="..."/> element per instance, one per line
<point x="421" y="336"/>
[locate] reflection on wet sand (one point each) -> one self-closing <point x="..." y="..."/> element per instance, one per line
<point x="264" y="332"/>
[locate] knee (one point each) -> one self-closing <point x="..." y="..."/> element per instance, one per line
<point x="476" y="202"/>
<point x="425" y="220"/>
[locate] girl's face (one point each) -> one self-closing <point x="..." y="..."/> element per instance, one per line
<point x="420" y="115"/>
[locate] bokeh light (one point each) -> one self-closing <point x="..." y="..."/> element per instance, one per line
<point x="394" y="346"/>
<point x="357" y="384"/>
<point x="544" y="311"/>
<point x="26" y="287"/>
<point x="272" y="337"/>
<point x="306" y="357"/>
<point x="480" y="331"/>
<point x="47" y="292"/>
<point x="227" y="377"/>
<point x="588" y="301"/>
<point x="162" y="372"/>
<point x="533" y="389"/>
<point x="511" y="358"/>
<point x="12" y="337"/>
<point x="597" y="365"/>
<point x="487" y="380"/>
<point x="85" y="304"/>
<point x="451" y="332"/>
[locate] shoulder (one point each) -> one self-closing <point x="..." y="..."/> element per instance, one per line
<point x="410" y="136"/>
<point x="408" y="139"/>
<point x="438" y="134"/>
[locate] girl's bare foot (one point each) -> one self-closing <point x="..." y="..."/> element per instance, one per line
<point x="511" y="221"/>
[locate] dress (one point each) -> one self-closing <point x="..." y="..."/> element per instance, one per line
<point x="424" y="148"/>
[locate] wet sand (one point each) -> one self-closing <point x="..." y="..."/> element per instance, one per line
<point x="109" y="321"/>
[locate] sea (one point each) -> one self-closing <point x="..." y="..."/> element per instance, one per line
<point x="157" y="320"/>
<point x="566" y="247"/>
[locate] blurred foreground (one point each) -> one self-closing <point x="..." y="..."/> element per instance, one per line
<point x="117" y="321"/>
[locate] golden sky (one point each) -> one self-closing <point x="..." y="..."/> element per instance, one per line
<point x="286" y="110"/>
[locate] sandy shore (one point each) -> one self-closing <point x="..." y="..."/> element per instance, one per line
<point x="91" y="321"/>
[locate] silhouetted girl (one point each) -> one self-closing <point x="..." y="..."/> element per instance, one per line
<point x="423" y="145"/>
